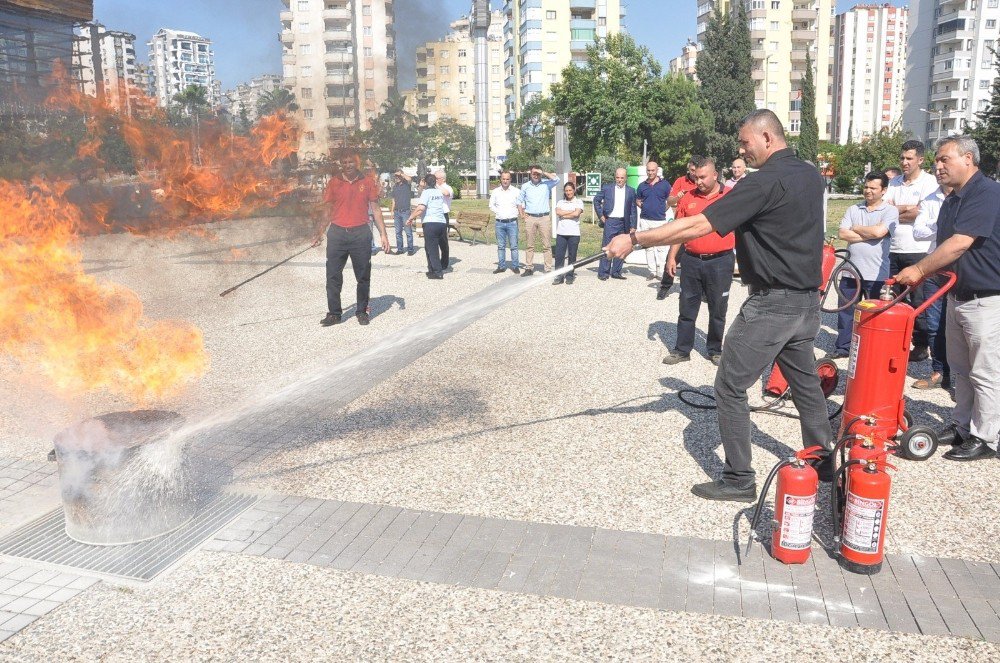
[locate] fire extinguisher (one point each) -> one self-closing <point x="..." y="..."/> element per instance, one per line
<point x="876" y="370"/>
<point x="794" y="505"/>
<point x="861" y="534"/>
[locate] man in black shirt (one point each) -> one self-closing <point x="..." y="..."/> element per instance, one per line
<point x="777" y="215"/>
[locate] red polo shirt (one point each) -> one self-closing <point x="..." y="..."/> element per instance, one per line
<point x="349" y="201"/>
<point x="694" y="203"/>
<point x="681" y="186"/>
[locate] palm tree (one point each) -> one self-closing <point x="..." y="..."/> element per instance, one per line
<point x="194" y="101"/>
<point x="276" y="100"/>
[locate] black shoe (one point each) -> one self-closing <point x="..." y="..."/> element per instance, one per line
<point x="499" y="270"/>
<point x="662" y="293"/>
<point x="570" y="279"/>
<point x="837" y="354"/>
<point x="602" y="277"/>
<point x="559" y="281"/>
<point x="949" y="435"/>
<point x="675" y="358"/>
<point x="825" y="467"/>
<point x="516" y="270"/>
<point x="411" y="252"/>
<point x="52" y="456"/>
<point x="715" y="359"/>
<point x="619" y="277"/>
<point x="722" y="491"/>
<point x="528" y="272"/>
<point x="972" y="449"/>
<point x="919" y="354"/>
<point x="363" y="318"/>
<point x="433" y="276"/>
<point x="330" y="319"/>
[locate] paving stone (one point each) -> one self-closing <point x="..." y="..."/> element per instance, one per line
<point x="983" y="616"/>
<point x="928" y="618"/>
<point x="41" y="608"/>
<point x="19" y="604"/>
<point x="17" y="622"/>
<point x="956" y="617"/>
<point x="727" y="601"/>
<point x="755" y="604"/>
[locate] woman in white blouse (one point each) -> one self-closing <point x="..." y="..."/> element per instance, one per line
<point x="568" y="211"/>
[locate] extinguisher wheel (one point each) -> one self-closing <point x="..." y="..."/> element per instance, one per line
<point x="918" y="443"/>
<point x="829" y="376"/>
<point x="907" y="419"/>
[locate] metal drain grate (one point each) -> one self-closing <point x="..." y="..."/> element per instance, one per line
<point x="45" y="540"/>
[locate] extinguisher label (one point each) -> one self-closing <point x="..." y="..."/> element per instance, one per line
<point x="797" y="521"/>
<point x="863" y="523"/>
<point x="852" y="363"/>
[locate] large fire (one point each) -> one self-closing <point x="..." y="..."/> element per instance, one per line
<point x="82" y="334"/>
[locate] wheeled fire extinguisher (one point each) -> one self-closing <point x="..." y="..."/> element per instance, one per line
<point x="876" y="370"/>
<point x="859" y="525"/>
<point x="794" y="506"/>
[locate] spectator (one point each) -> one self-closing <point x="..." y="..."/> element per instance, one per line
<point x="925" y="227"/>
<point x="503" y="204"/>
<point x="441" y="183"/>
<point x="651" y="197"/>
<point x="892" y="173"/>
<point x="706" y="270"/>
<point x="353" y="199"/>
<point x="614" y="205"/>
<point x="536" y="210"/>
<point x="682" y="185"/>
<point x="568" y="211"/>
<point x="867" y="227"/>
<point x="738" y="169"/>
<point x="401" y="196"/>
<point x="435" y="225"/>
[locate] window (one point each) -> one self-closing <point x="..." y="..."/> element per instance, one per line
<point x="444" y="69"/>
<point x="984" y="85"/>
<point x="756" y="4"/>
<point x="307" y="113"/>
<point x="303" y="5"/>
<point x="553" y="78"/>
<point x="305" y="49"/>
<point x="306" y="71"/>
<point x="446" y="101"/>
<point x="991" y="23"/>
<point x="773" y="46"/>
<point x="775" y="4"/>
<point x="462" y="69"/>
<point x="367" y="31"/>
<point x="369" y="73"/>
<point x="551" y="15"/>
<point x="462" y="53"/>
<point x="495" y="69"/>
<point x="366" y="10"/>
<point x="993" y="3"/>
<point x="369" y="94"/>
<point x="775" y="26"/>
<point x="795" y="126"/>
<point x="303" y="26"/>
<point x="368" y="51"/>
<point x="306" y="93"/>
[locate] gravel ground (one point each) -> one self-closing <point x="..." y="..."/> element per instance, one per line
<point x="553" y="408"/>
<point x="280" y="611"/>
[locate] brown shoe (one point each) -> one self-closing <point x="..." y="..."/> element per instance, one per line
<point x="928" y="383"/>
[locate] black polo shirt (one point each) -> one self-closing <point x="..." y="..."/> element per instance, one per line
<point x="777" y="215"/>
<point x="974" y="211"/>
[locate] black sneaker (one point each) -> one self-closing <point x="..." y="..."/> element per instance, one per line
<point x="619" y="277"/>
<point x="662" y="293"/>
<point x="675" y="358"/>
<point x="363" y="318"/>
<point x="722" y="491"/>
<point x="330" y="319"/>
<point x="837" y="354"/>
<point x="499" y="270"/>
<point x="559" y="281"/>
<point x="919" y="354"/>
<point x="972" y="449"/>
<point x="570" y="279"/>
<point x="528" y="272"/>
<point x="411" y="252"/>
<point x="715" y="359"/>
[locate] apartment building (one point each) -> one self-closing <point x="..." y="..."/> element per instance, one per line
<point x="868" y="70"/>
<point x="177" y="59"/>
<point x="248" y="95"/>
<point x="949" y="66"/>
<point x="339" y="60"/>
<point x="446" y="80"/>
<point x="686" y="63"/>
<point x="106" y="60"/>
<point x="542" y="37"/>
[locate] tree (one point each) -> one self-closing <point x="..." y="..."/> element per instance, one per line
<point x="393" y="138"/>
<point x="986" y="133"/>
<point x="677" y="124"/>
<point x="276" y="100"/>
<point x="532" y="136"/>
<point x="452" y="145"/>
<point x="193" y="100"/>
<point x="809" y="130"/>
<point x="605" y="103"/>
<point x="881" y="151"/>
<point x="724" y="70"/>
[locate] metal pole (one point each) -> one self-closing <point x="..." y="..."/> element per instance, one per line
<point x="479" y="26"/>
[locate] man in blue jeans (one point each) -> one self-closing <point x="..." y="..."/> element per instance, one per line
<point x="867" y="228"/>
<point x="402" y="195"/>
<point x="503" y="204"/>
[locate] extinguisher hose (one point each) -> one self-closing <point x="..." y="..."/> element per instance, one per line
<point x="769" y="407"/>
<point x="760" y="502"/>
<point x="835" y="499"/>
<point x="833" y="285"/>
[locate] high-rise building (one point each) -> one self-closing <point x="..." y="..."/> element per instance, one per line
<point x="339" y="59"/>
<point x="541" y="37"/>
<point x="868" y="65"/>
<point x="107" y="65"/>
<point x="686" y="63"/>
<point x="178" y="59"/>
<point x="245" y="97"/>
<point x="446" y="80"/>
<point x="36" y="38"/>
<point x="949" y="65"/>
<point x="782" y="32"/>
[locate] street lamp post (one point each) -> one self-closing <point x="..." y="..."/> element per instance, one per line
<point x="940" y="117"/>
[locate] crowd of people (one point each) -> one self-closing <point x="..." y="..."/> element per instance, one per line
<point x="910" y="225"/>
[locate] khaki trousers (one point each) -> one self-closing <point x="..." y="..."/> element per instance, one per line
<point x="542" y="226"/>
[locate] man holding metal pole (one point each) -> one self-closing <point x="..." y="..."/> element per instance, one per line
<point x="775" y="213"/>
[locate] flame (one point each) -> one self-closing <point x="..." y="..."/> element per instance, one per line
<point x="84" y="335"/>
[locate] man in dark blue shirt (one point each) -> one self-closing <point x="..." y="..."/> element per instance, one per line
<point x="651" y="197"/>
<point x="969" y="240"/>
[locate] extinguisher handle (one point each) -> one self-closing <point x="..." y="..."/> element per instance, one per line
<point x="942" y="291"/>
<point x="810" y="453"/>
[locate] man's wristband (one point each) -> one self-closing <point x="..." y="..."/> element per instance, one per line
<point x="635" y="242"/>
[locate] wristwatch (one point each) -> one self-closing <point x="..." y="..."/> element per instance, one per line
<point x="635" y="242"/>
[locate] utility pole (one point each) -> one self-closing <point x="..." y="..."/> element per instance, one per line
<point x="479" y="26"/>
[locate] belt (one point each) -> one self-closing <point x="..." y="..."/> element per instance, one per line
<point x="709" y="256"/>
<point x="507" y="220"/>
<point x="760" y="290"/>
<point x="542" y="214"/>
<point x="969" y="295"/>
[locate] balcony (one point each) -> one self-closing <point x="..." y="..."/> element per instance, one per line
<point x="580" y="45"/>
<point x="582" y="4"/>
<point x="337" y="14"/>
<point x="339" y="78"/>
<point x="804" y="15"/>
<point x="287" y="37"/>
<point x="758" y="74"/>
<point x="949" y="95"/>
<point x="758" y="54"/>
<point x="950" y="75"/>
<point x="799" y="54"/>
<point x="338" y="34"/>
<point x="288" y="81"/>
<point x="286" y="17"/>
<point x="338" y="57"/>
<point x="340" y="101"/>
<point x="803" y="35"/>
<point x="582" y="24"/>
<point x="756" y="35"/>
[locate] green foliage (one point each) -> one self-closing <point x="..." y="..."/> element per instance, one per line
<point x="809" y="130"/>
<point x="986" y="133"/>
<point x="193" y="100"/>
<point x="881" y="151"/>
<point x="393" y="139"/>
<point x="727" y="89"/>
<point x="454" y="180"/>
<point x="532" y="136"/>
<point x="452" y="145"/>
<point x="678" y="124"/>
<point x="276" y="100"/>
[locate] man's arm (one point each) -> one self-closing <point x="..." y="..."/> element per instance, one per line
<point x="945" y="254"/>
<point x="599" y="205"/>
<point x="676" y="232"/>
<point x="878" y="231"/>
<point x="417" y="212"/>
<point x="907" y="213"/>
<point x="849" y="236"/>
<point x="493" y="202"/>
<point x="671" y="267"/>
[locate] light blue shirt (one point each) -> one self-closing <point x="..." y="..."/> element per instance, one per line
<point x="535" y="198"/>
<point x="871" y="256"/>
<point x="433" y="202"/>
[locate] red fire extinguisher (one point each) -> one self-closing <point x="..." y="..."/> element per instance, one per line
<point x="880" y="351"/>
<point x="794" y="506"/>
<point x="861" y="533"/>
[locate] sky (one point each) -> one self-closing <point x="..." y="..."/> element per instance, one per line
<point x="245" y="32"/>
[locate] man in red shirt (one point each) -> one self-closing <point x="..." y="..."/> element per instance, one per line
<point x="706" y="268"/>
<point x="682" y="185"/>
<point x="352" y="198"/>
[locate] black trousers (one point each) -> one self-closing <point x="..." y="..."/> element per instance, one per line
<point x="342" y="243"/>
<point x="897" y="263"/>
<point x="712" y="278"/>
<point x="566" y="244"/>
<point x="667" y="281"/>
<point x="782" y="325"/>
<point x="436" y="247"/>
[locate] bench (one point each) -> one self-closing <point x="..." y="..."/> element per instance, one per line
<point x="474" y="223"/>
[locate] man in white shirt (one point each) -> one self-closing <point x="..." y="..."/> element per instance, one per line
<point x="503" y="204"/>
<point x="739" y="170"/>
<point x="615" y="206"/>
<point x="906" y="192"/>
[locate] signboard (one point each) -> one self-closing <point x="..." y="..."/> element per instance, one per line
<point x="593" y="184"/>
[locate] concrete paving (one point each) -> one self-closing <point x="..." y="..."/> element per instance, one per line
<point x="552" y="410"/>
